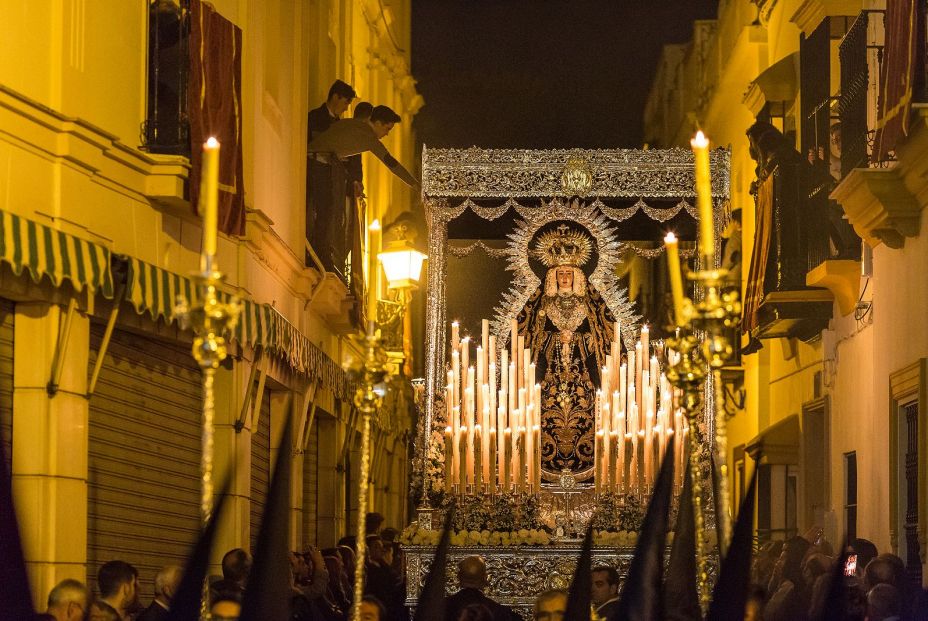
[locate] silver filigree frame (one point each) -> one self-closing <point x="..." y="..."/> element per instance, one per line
<point x="616" y="173"/>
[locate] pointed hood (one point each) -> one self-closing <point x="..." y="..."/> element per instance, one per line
<point x="432" y="600"/>
<point x="15" y="597"/>
<point x="267" y="597"/>
<point x="641" y="596"/>
<point x="581" y="586"/>
<point x="186" y="603"/>
<point x="731" y="591"/>
<point x="681" y="597"/>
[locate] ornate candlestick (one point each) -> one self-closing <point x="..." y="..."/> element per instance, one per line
<point x="688" y="373"/>
<point x="718" y="315"/>
<point x="210" y="319"/>
<point x="368" y="371"/>
<point x="707" y="330"/>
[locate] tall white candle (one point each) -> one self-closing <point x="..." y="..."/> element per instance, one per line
<point x="478" y="459"/>
<point x="465" y="353"/>
<point x="449" y="461"/>
<point x="462" y="462"/>
<point x="456" y="381"/>
<point x="491" y="458"/>
<point x="507" y="459"/>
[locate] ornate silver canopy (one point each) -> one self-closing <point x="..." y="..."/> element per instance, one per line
<point x="520" y="173"/>
<point x="535" y="184"/>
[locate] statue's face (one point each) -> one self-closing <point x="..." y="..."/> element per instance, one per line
<point x="565" y="279"/>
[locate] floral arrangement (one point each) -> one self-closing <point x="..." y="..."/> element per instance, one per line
<point x="509" y="512"/>
<point x="619" y="512"/>
<point x="429" y="466"/>
<point x="413" y="535"/>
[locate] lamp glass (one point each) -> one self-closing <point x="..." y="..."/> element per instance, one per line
<point x="403" y="267"/>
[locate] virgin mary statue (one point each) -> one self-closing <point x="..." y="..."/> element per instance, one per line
<point x="568" y="328"/>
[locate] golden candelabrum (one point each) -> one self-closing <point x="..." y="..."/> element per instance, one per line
<point x="705" y="342"/>
<point x="703" y="345"/>
<point x="210" y="318"/>
<point x="368" y="371"/>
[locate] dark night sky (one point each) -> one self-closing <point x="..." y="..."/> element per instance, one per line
<point x="541" y="73"/>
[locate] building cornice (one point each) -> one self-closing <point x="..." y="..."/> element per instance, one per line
<point x="810" y="13"/>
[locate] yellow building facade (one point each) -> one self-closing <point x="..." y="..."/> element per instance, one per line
<point x="100" y="398"/>
<point x="834" y="411"/>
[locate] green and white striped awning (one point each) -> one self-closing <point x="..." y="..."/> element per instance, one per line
<point x="154" y="291"/>
<point x="45" y="251"/>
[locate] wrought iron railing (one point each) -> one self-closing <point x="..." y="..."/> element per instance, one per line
<point x="166" y="128"/>
<point x="858" y="56"/>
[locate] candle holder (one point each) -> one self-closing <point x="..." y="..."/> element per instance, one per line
<point x="703" y="346"/>
<point x="687" y="372"/>
<point x="210" y="319"/>
<point x="368" y="371"/>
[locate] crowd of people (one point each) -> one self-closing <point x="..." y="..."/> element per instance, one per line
<point x="790" y="582"/>
<point x="321" y="585"/>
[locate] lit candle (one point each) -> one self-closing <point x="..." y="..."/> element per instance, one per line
<point x="373" y="269"/>
<point x="513" y="339"/>
<point x="209" y="200"/>
<point x="645" y="342"/>
<point x="700" y="145"/>
<point x="507" y="458"/>
<point x="676" y="279"/>
<point x="536" y="438"/>
<point x="457" y="455"/>
<point x="478" y="460"/>
<point x="600" y="462"/>
<point x="449" y="441"/>
<point x="491" y="458"/>
<point x="456" y="377"/>
<point x="462" y="461"/>
<point x="465" y="353"/>
<point x="620" y="456"/>
<point x="501" y="440"/>
<point x="529" y="446"/>
<point x="615" y="467"/>
<point x="648" y="447"/>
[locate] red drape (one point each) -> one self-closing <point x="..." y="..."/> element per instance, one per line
<point x="214" y="106"/>
<point x="904" y="42"/>
<point x="763" y="229"/>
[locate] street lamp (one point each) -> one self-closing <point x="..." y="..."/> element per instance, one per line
<point x="402" y="264"/>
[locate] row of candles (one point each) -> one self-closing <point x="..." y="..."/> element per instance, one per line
<point x="493" y="438"/>
<point x="635" y="419"/>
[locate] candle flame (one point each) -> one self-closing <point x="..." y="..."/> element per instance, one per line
<point x="699" y="141"/>
<point x="447" y="429"/>
<point x="375" y="225"/>
<point x="670" y="238"/>
<point x="211" y="143"/>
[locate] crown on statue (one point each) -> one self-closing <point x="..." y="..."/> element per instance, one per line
<point x="563" y="246"/>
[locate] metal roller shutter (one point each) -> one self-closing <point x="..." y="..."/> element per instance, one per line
<point x="311" y="488"/>
<point x="260" y="466"/>
<point x="6" y="378"/>
<point x="144" y="455"/>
